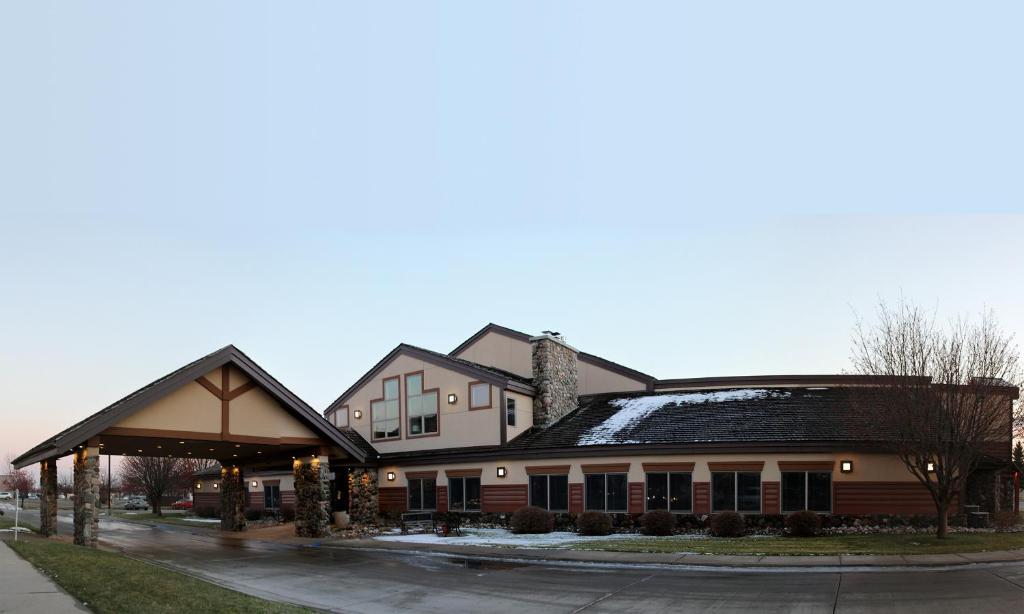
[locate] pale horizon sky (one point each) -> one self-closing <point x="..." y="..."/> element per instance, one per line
<point x="689" y="189"/>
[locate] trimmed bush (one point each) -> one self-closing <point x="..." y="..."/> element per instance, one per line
<point x="728" y="524"/>
<point x="253" y="515"/>
<point x="594" y="523"/>
<point x="532" y="520"/>
<point x="287" y="514"/>
<point x="803" y="524"/>
<point x="658" y="522"/>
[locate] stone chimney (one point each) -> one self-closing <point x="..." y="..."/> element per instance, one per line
<point x="554" y="377"/>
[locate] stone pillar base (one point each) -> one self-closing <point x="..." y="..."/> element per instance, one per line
<point x="87" y="495"/>
<point x="312" y="497"/>
<point x="232" y="499"/>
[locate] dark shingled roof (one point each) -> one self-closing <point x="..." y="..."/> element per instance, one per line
<point x="359" y="442"/>
<point x="770" y="415"/>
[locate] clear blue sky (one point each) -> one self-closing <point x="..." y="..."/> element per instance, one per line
<point x="689" y="188"/>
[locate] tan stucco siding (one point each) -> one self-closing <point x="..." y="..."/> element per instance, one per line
<point x="459" y="426"/>
<point x="501" y="351"/>
<point x="524" y="415"/>
<point x="191" y="408"/>
<point x="867" y="467"/>
<point x="593" y="379"/>
<point x="256" y="413"/>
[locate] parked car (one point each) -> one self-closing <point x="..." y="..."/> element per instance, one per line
<point x="181" y="504"/>
<point x="6" y="495"/>
<point x="136" y="503"/>
<point x="33" y="495"/>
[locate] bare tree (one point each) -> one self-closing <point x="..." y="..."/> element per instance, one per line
<point x="155" y="477"/>
<point x="65" y="483"/>
<point x="196" y="465"/>
<point x="944" y="396"/>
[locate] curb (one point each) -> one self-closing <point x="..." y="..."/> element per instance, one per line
<point x="700" y="562"/>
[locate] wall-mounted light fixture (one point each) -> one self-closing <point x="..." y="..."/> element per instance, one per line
<point x="452" y="399"/>
<point x="216" y="485"/>
<point x="931" y="467"/>
<point x="255" y="483"/>
<point x="846" y="466"/>
<point x="199" y="485"/>
<point x="391" y="476"/>
<point x="357" y="414"/>
<point x="502" y="472"/>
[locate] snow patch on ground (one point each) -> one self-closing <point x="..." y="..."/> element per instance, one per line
<point x="209" y="520"/>
<point x="501" y="537"/>
<point x="634" y="409"/>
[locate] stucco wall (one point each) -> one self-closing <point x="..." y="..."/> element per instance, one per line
<point x="190" y="405"/>
<point x="459" y="426"/>
<point x="256" y="413"/>
<point x="501" y="351"/>
<point x="524" y="415"/>
<point x="593" y="379"/>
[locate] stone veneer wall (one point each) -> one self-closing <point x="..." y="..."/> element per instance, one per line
<point x="362" y="496"/>
<point x="232" y="499"/>
<point x="48" y="498"/>
<point x="312" y="499"/>
<point x="87" y="496"/>
<point x="555" y="378"/>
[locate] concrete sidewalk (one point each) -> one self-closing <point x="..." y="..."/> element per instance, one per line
<point x="24" y="589"/>
<point x="832" y="563"/>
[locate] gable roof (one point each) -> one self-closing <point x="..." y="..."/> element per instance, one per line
<point x="592" y="359"/>
<point x="492" y="375"/>
<point x="113" y="413"/>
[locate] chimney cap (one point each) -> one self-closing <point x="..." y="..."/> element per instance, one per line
<point x="552" y="333"/>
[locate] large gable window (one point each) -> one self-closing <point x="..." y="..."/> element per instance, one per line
<point x="386" y="412"/>
<point x="420" y="406"/>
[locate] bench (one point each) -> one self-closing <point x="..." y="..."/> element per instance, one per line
<point x="422" y="521"/>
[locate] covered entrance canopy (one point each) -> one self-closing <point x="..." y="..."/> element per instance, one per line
<point x="221" y="406"/>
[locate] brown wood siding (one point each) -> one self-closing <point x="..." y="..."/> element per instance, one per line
<point x="998" y="449"/>
<point x="881" y="498"/>
<point x="392" y="499"/>
<point x="770" y="503"/>
<point x="548" y="470"/>
<point x="288" y="499"/>
<point x="255" y="500"/>
<point x="207" y="499"/>
<point x="748" y="466"/>
<point x="503" y="498"/>
<point x="636" y="497"/>
<point x="702" y="497"/>
<point x="442" y="499"/>
<point x="576" y="498"/>
<point x="669" y="467"/>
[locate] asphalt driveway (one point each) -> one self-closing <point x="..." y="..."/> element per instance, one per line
<point x="373" y="581"/>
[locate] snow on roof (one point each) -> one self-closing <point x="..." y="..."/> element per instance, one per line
<point x="634" y="409"/>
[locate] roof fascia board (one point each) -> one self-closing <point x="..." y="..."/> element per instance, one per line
<point x="614" y="367"/>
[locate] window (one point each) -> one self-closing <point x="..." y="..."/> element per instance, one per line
<point x="737" y="491"/>
<point x="422" y="494"/>
<point x="510" y="412"/>
<point x="271" y="496"/>
<point x="420" y="406"/>
<point x="806" y="490"/>
<point x="479" y="395"/>
<point x="670" y="491"/>
<point x="606" y="492"/>
<point x="341" y="417"/>
<point x="385" y="413"/>
<point x="550" y="492"/>
<point x="464" y="494"/>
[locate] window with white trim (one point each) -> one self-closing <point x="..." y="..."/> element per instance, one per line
<point x="606" y="492"/>
<point x="550" y="492"/>
<point x="385" y="413"/>
<point x="807" y="490"/>
<point x="464" y="494"/>
<point x="420" y="406"/>
<point x="737" y="491"/>
<point x="672" y="491"/>
<point x="422" y="494"/>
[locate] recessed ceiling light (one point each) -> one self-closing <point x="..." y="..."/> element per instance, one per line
<point x="159" y="447"/>
<point x="190" y="454"/>
<point x="140" y="451"/>
<point x="211" y="449"/>
<point x="181" y="442"/>
<point x="238" y="445"/>
<point x="234" y="455"/>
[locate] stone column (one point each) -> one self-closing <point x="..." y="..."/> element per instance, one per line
<point x="362" y="496"/>
<point x="87" y="495"/>
<point x="48" y="498"/>
<point x="232" y="499"/>
<point x="312" y="497"/>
